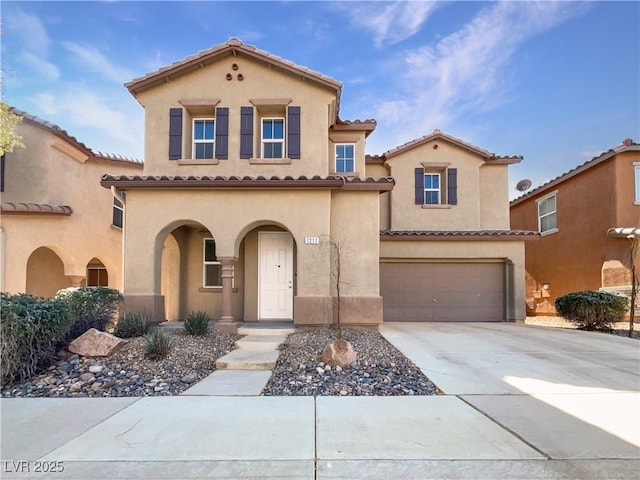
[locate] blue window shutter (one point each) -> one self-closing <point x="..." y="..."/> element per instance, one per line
<point x="175" y="133"/>
<point x="222" y="133"/>
<point x="452" y="186"/>
<point x="293" y="132"/>
<point x="419" y="186"/>
<point x="246" y="132"/>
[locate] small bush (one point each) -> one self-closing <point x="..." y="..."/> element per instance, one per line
<point x="592" y="310"/>
<point x="196" y="323"/>
<point x="31" y="330"/>
<point x="89" y="308"/>
<point x="158" y="345"/>
<point x="132" y="324"/>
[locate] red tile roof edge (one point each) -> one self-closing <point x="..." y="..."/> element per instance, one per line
<point x="18" y="208"/>
<point x="458" y="235"/>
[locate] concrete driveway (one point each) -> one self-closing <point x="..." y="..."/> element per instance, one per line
<point x="568" y="394"/>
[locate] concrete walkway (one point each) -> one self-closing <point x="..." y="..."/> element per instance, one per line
<point x="520" y="403"/>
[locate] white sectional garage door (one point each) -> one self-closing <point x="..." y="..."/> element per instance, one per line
<point x="443" y="292"/>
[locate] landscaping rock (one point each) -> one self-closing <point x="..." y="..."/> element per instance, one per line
<point x="340" y="353"/>
<point x="94" y="343"/>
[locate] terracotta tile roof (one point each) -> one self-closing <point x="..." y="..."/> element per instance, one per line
<point x="439" y="135"/>
<point x="64" y="135"/>
<point x="333" y="181"/>
<point x="368" y="125"/>
<point x="232" y="46"/>
<point x="458" y="235"/>
<point x="11" y="208"/>
<point x="626" y="145"/>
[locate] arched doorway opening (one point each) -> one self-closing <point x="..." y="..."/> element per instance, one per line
<point x="45" y="273"/>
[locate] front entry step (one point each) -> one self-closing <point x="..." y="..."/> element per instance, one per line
<point x="270" y="328"/>
<point x="261" y="342"/>
<point x="248" y="359"/>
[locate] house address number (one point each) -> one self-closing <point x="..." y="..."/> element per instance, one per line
<point x="311" y="241"/>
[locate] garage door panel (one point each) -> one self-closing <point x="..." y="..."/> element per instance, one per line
<point x="443" y="291"/>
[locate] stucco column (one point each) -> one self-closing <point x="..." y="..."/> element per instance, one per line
<point x="227" y="322"/>
<point x="76" y="280"/>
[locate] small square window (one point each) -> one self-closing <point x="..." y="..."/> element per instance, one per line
<point x="273" y="138"/>
<point x="211" y="270"/>
<point x="345" y="158"/>
<point x="432" y="189"/>
<point x="203" y="138"/>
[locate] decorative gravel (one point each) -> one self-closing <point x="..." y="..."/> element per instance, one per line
<point x="127" y="373"/>
<point x="380" y="369"/>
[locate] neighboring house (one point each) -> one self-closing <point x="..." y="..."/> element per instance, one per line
<point x="250" y="175"/>
<point x="585" y="218"/>
<point x="57" y="221"/>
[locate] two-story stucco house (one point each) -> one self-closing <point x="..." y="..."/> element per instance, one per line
<point x="587" y="219"/>
<point x="250" y="175"/>
<point x="58" y="225"/>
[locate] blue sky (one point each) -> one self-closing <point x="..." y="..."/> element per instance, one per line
<point x="556" y="82"/>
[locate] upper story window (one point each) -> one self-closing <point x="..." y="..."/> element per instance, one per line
<point x="203" y="138"/>
<point x="273" y="138"/>
<point x="547" y="222"/>
<point x="118" y="211"/>
<point x="211" y="267"/>
<point x="345" y="158"/>
<point x="637" y="171"/>
<point x="432" y="185"/>
<point x="436" y="184"/>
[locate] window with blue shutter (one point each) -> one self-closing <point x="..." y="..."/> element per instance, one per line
<point x="430" y="187"/>
<point x="419" y="185"/>
<point x="222" y="133"/>
<point x="452" y="186"/>
<point x="246" y="132"/>
<point x="175" y="133"/>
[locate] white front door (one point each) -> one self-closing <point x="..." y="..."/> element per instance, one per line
<point x="275" y="283"/>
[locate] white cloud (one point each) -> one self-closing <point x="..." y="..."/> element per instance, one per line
<point x="390" y="22"/>
<point x="94" y="60"/>
<point x="29" y="30"/>
<point x="47" y="71"/>
<point x="467" y="70"/>
<point x="107" y="121"/>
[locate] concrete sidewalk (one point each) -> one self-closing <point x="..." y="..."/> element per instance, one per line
<point x="577" y="419"/>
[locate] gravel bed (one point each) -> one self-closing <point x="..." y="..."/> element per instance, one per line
<point x="127" y="373"/>
<point x="620" y="329"/>
<point x="380" y="369"/>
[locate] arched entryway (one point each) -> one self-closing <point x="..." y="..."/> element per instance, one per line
<point x="45" y="273"/>
<point x="268" y="252"/>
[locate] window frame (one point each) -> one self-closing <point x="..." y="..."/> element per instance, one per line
<point x="539" y="203"/>
<point x="206" y="263"/>
<point x="273" y="141"/>
<point x="98" y="269"/>
<point x="204" y="141"/>
<point x="438" y="190"/>
<point x="636" y="167"/>
<point x="118" y="206"/>
<point x="345" y="159"/>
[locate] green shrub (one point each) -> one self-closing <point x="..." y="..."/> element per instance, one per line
<point x="196" y="323"/>
<point x="158" y="345"/>
<point x="132" y="324"/>
<point x="89" y="308"/>
<point x="31" y="330"/>
<point x="592" y="310"/>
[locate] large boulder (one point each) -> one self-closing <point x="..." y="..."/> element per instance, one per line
<point x="339" y="352"/>
<point x="94" y="343"/>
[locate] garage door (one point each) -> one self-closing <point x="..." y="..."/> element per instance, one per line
<point x="443" y="292"/>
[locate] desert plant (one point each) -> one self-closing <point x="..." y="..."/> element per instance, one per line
<point x="591" y="310"/>
<point x="89" y="308"/>
<point x="132" y="324"/>
<point x="157" y="345"/>
<point x="196" y="323"/>
<point x="31" y="330"/>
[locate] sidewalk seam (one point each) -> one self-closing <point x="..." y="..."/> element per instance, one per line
<point x="512" y="432"/>
<point x="315" y="438"/>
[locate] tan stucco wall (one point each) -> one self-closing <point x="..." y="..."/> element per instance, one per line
<point x="42" y="173"/>
<point x="379" y="171"/>
<point x="482" y="191"/>
<point x="510" y="252"/>
<point x="258" y="82"/>
<point x="572" y="258"/>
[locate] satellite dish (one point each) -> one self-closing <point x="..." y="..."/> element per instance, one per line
<point x="523" y="185"/>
